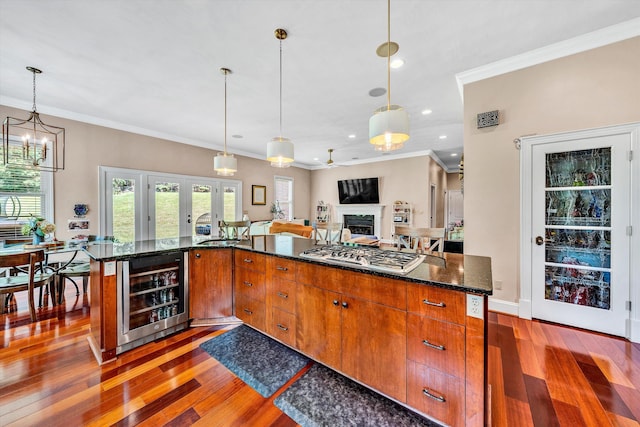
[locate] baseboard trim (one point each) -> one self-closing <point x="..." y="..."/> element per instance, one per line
<point x="502" y="306"/>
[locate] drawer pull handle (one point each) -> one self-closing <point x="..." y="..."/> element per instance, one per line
<point x="428" y="344"/>
<point x="248" y="283"/>
<point x="284" y="328"/>
<point x="435" y="304"/>
<point x="426" y="392"/>
<point x="282" y="268"/>
<point x="335" y="302"/>
<point x="249" y="260"/>
<point x="283" y="295"/>
<point x="246" y="310"/>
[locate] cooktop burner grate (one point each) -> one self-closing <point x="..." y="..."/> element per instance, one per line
<point x="369" y="257"/>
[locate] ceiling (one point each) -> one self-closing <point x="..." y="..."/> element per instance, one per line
<point x="152" y="66"/>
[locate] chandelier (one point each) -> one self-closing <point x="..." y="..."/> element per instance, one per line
<point x="225" y="164"/>
<point x="31" y="143"/>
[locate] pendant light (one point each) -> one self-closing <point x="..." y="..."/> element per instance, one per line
<point x="389" y="125"/>
<point x="280" y="149"/>
<point x="225" y="164"/>
<point x="31" y="143"/>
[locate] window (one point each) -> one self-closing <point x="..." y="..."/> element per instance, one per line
<point x="283" y="195"/>
<point x="23" y="192"/>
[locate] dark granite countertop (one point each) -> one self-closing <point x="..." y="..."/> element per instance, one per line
<point x="467" y="273"/>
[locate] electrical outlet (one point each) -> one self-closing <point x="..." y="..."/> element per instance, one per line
<point x="475" y="306"/>
<point x="497" y="284"/>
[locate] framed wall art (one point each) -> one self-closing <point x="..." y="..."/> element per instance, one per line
<point x="258" y="195"/>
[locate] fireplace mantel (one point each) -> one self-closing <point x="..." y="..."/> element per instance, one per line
<point x="375" y="210"/>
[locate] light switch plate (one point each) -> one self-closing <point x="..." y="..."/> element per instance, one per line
<point x="475" y="306"/>
<point x="109" y="268"/>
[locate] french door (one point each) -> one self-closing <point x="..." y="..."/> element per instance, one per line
<point x="139" y="205"/>
<point x="580" y="231"/>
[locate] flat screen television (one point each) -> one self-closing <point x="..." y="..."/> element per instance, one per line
<point x="358" y="191"/>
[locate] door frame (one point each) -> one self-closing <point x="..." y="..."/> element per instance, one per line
<point x="632" y="131"/>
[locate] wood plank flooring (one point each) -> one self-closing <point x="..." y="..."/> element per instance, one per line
<point x="540" y="375"/>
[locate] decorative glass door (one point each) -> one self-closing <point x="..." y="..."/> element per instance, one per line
<point x="580" y="214"/>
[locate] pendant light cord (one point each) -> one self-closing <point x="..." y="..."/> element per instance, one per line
<point x="225" y="113"/>
<point x="389" y="55"/>
<point x="280" y="87"/>
<point x="34" y="91"/>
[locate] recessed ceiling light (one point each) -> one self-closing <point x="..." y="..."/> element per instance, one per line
<point x="397" y="63"/>
<point x="352" y="136"/>
<point x="443" y="137"/>
<point x="378" y="91"/>
<point x="316" y="159"/>
<point x="426" y="112"/>
<point x="454" y="154"/>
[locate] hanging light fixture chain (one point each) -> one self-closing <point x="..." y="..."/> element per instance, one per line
<point x="34" y="91"/>
<point x="225" y="113"/>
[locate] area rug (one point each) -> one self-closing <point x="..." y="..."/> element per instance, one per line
<point x="264" y="364"/>
<point x="322" y="397"/>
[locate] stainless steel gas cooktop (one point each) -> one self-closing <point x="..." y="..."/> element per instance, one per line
<point x="369" y="257"/>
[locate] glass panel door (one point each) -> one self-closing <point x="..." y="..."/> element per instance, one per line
<point x="165" y="213"/>
<point x="580" y="213"/>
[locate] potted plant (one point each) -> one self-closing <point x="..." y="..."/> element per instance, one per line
<point x="39" y="228"/>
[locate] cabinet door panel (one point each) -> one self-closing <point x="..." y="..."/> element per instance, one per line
<point x="374" y="341"/>
<point x="392" y="293"/>
<point x="210" y="283"/>
<point x="250" y="283"/>
<point x="318" y="324"/>
<point x="436" y="394"/>
<point x="250" y="260"/>
<point x="437" y="344"/>
<point x="320" y="276"/>
<point x="282" y="268"/>
<point x="438" y="303"/>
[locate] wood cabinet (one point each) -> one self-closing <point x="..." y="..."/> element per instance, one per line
<point x="249" y="287"/>
<point x="210" y="285"/>
<point x="281" y="299"/>
<point x="342" y="323"/>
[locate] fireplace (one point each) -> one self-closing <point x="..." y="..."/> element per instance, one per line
<point x="374" y="211"/>
<point x="360" y="224"/>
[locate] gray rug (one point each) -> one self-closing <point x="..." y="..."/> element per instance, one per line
<point x="264" y="364"/>
<point x="322" y="397"/>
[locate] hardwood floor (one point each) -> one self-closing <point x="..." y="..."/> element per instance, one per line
<point x="540" y="375"/>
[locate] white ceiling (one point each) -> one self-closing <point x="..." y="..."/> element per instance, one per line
<point x="152" y="66"/>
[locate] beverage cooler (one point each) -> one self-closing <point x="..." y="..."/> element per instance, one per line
<point x="152" y="298"/>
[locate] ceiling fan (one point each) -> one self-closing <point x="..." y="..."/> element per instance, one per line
<point x="330" y="162"/>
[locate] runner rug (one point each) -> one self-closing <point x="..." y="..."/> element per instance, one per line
<point x="322" y="397"/>
<point x="262" y="363"/>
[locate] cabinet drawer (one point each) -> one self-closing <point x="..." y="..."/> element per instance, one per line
<point x="282" y="268"/>
<point x="250" y="260"/>
<point x="389" y="292"/>
<point x="323" y="277"/>
<point x="283" y="326"/>
<point x="282" y="294"/>
<point x="251" y="311"/>
<point x="438" y="303"/>
<point x="250" y="283"/>
<point x="436" y="394"/>
<point x="437" y="344"/>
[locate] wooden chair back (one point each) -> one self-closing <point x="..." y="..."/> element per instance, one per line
<point x="419" y="239"/>
<point x="25" y="262"/>
<point x="329" y="232"/>
<point x="234" y="229"/>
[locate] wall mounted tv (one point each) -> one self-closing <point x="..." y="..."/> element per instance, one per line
<point x="358" y="191"/>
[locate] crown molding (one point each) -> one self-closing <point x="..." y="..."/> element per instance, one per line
<point x="608" y="35"/>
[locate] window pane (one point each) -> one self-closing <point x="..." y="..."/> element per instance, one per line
<point x="283" y="194"/>
<point x="124" y="212"/>
<point x="229" y="201"/>
<point x="201" y="209"/>
<point x="167" y="200"/>
<point x="20" y="197"/>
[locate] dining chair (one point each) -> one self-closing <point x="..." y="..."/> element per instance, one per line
<point x="329" y="232"/>
<point x="419" y="239"/>
<point x="77" y="270"/>
<point x="24" y="274"/>
<point x="235" y="229"/>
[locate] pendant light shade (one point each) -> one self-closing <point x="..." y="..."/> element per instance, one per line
<point x="389" y="125"/>
<point x="280" y="149"/>
<point x="225" y="164"/>
<point x="280" y="152"/>
<point x="30" y="143"/>
<point x="389" y="128"/>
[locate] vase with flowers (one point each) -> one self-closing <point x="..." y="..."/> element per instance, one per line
<point x="38" y="227"/>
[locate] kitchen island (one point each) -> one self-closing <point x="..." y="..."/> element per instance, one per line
<point x="418" y="337"/>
